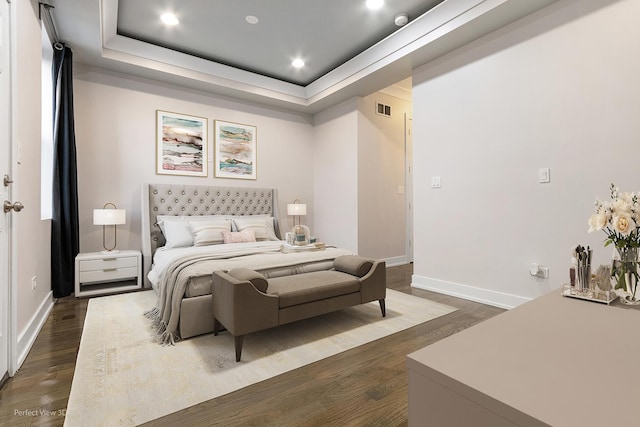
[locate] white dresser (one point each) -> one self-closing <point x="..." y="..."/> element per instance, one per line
<point x="554" y="361"/>
<point x="99" y="273"/>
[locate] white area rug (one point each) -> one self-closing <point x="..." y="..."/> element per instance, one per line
<point x="123" y="377"/>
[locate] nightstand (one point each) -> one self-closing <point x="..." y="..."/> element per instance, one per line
<point x="99" y="273"/>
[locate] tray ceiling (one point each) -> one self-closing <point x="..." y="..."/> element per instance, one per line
<point x="348" y="49"/>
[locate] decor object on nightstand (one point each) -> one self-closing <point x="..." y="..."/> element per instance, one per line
<point x="301" y="233"/>
<point x="620" y="220"/>
<point x="112" y="216"/>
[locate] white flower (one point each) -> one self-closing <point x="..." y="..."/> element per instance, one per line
<point x="627" y="197"/>
<point x="620" y="205"/>
<point x="619" y="218"/>
<point x="598" y="221"/>
<point x="623" y="223"/>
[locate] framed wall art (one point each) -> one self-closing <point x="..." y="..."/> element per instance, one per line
<point x="235" y="150"/>
<point x="181" y="144"/>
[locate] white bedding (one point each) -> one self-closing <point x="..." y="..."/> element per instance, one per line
<point x="234" y="255"/>
<point x="164" y="257"/>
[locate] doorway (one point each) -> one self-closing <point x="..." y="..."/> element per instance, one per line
<point x="408" y="183"/>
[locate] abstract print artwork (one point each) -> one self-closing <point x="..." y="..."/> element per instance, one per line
<point x="181" y="146"/>
<point x="235" y="150"/>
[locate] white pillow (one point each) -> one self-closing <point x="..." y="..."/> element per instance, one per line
<point x="192" y="218"/>
<point x="262" y="225"/>
<point x="209" y="232"/>
<point x="176" y="233"/>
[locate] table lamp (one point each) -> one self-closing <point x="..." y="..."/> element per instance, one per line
<point x="109" y="216"/>
<point x="296" y="209"/>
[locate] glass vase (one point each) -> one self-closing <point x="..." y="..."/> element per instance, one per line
<point x="625" y="273"/>
<point x="301" y="235"/>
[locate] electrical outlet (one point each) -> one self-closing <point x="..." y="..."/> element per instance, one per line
<point x="538" y="271"/>
<point x="543" y="272"/>
<point x="34" y="282"/>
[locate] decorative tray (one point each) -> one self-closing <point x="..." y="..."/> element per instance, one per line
<point x="317" y="246"/>
<point x="596" y="295"/>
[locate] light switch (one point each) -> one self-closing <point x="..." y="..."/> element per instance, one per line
<point x="435" y="182"/>
<point x="544" y="175"/>
<point x="400" y="189"/>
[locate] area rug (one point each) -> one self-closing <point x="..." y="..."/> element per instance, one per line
<point x="123" y="377"/>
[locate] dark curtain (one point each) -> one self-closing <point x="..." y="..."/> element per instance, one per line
<point x="64" y="225"/>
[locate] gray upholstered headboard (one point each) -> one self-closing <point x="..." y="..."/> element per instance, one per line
<point x="171" y="199"/>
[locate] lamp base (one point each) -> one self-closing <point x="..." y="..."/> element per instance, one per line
<point x="113" y="251"/>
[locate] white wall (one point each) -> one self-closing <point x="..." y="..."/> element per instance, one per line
<point x="335" y="175"/>
<point x="381" y="179"/>
<point x="559" y="90"/>
<point x="31" y="236"/>
<point x="116" y="144"/>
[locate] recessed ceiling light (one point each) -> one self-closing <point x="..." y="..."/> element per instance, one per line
<point x="298" y="63"/>
<point x="251" y="19"/>
<point x="169" y="19"/>
<point x="375" y="4"/>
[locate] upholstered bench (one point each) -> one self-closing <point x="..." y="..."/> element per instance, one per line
<point x="244" y="301"/>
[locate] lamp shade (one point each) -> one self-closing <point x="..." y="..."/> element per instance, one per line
<point x="109" y="217"/>
<point x="296" y="209"/>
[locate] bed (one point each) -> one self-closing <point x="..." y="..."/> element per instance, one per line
<point x="179" y="269"/>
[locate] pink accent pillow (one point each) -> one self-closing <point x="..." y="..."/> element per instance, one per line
<point x="239" y="236"/>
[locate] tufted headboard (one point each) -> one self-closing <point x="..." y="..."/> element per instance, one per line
<point x="171" y="199"/>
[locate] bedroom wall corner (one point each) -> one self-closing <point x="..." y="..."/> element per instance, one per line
<point x="335" y="175"/>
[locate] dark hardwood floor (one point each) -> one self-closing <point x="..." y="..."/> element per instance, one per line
<point x="365" y="386"/>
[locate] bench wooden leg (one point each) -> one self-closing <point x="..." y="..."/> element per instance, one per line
<point x="383" y="308"/>
<point x="216" y="327"/>
<point x="238" y="340"/>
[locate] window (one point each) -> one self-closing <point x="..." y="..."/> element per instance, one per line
<point x="46" y="160"/>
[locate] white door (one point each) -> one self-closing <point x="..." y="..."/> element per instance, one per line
<point x="5" y="164"/>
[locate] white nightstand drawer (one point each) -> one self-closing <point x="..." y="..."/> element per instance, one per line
<point x="99" y="273"/>
<point x="108" y="263"/>
<point x="106" y="275"/>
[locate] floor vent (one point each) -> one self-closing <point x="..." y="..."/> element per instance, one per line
<point x="383" y="110"/>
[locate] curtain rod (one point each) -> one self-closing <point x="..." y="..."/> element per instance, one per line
<point x="47" y="21"/>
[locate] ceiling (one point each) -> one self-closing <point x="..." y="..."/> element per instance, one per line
<point x="286" y="29"/>
<point x="348" y="49"/>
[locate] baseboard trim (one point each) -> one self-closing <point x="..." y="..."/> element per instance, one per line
<point x="471" y="293"/>
<point x="30" y="333"/>
<point x="394" y="261"/>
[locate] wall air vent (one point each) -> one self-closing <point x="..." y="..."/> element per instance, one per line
<point x="383" y="110"/>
